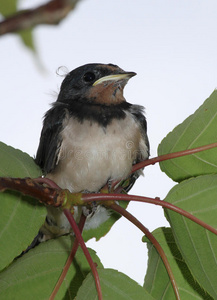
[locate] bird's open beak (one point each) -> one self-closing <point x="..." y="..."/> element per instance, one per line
<point x="115" y="77"/>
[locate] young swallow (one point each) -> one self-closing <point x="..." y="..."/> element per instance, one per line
<point x="91" y="136"/>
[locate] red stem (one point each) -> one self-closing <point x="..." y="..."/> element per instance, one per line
<point x="69" y="260"/>
<point x="154" y="160"/>
<point x="156" y="201"/>
<point x="152" y="239"/>
<point x="49" y="182"/>
<point x="86" y="253"/>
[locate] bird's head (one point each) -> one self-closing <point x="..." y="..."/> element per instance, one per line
<point x="95" y="83"/>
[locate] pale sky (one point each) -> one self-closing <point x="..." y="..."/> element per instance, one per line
<point x="172" y="47"/>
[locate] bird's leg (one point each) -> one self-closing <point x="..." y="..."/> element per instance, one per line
<point x="90" y="209"/>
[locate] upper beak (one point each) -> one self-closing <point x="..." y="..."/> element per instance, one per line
<point x="115" y="77"/>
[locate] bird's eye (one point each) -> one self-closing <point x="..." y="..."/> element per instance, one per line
<point x="89" y="77"/>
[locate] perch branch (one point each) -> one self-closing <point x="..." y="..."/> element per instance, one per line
<point x="67" y="200"/>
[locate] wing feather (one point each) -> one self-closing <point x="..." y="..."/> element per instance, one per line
<point x="50" y="141"/>
<point x="137" y="112"/>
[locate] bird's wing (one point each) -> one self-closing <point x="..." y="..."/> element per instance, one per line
<point x="138" y="113"/>
<point x="50" y="141"/>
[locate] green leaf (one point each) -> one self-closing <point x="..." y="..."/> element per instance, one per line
<point x="197" y="245"/>
<point x="157" y="281"/>
<point x="197" y="130"/>
<point x="15" y="163"/>
<point x="115" y="285"/>
<point x="34" y="275"/>
<point x="8" y="7"/>
<point x="20" y="217"/>
<point x="27" y="38"/>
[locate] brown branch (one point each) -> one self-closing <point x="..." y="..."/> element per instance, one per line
<point x="50" y="13"/>
<point x="30" y="187"/>
<point x="65" y="199"/>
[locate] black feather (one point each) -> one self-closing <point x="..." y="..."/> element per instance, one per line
<point x="138" y="113"/>
<point x="50" y="140"/>
<point x="102" y="114"/>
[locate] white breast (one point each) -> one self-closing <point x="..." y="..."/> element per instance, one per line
<point x="91" y="155"/>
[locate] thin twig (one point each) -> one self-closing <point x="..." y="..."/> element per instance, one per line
<point x="69" y="260"/>
<point x="86" y="252"/>
<point x="160" y="158"/>
<point x="50" y="13"/>
<point x="152" y="239"/>
<point x="47" y="181"/>
<point x="119" y="197"/>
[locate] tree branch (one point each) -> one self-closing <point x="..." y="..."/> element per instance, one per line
<point x="50" y="13"/>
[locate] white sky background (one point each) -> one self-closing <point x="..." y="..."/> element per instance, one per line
<point x="172" y="45"/>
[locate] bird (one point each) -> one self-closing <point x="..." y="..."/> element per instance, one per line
<point x="91" y="136"/>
